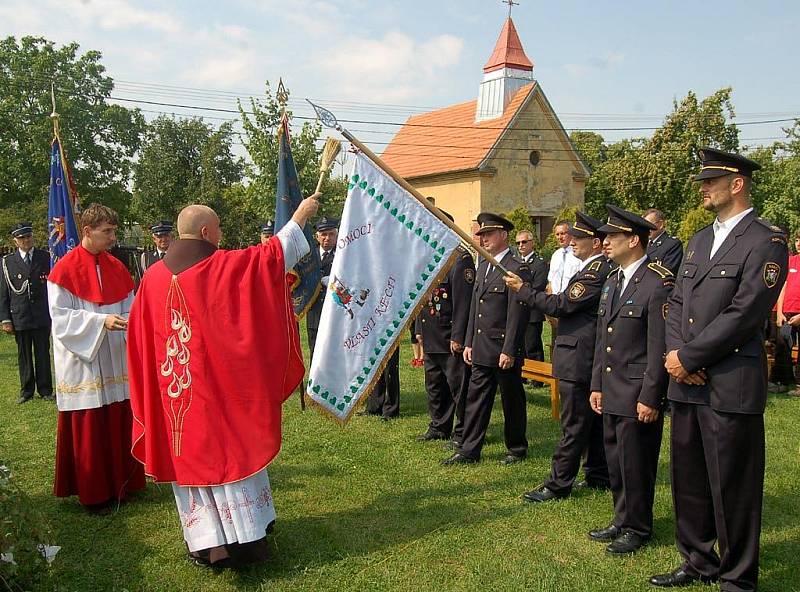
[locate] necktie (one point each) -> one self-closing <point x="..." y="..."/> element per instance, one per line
<point x="160" y="255"/>
<point x="327" y="257"/>
<point x="618" y="289"/>
<point x="28" y="258"/>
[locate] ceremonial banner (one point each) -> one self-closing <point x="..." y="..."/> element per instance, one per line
<point x="305" y="276"/>
<point x="389" y="253"/>
<point x="61" y="226"/>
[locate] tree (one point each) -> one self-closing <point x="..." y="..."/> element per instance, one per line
<point x="100" y="138"/>
<point x="261" y="140"/>
<point x="640" y="173"/>
<point x="775" y="191"/>
<point x="183" y="161"/>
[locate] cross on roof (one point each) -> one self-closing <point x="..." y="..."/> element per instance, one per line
<point x="511" y="4"/>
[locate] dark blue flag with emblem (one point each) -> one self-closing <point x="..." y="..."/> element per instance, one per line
<point x="305" y="276"/>
<point x="61" y="227"/>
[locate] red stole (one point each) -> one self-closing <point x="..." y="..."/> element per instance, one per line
<point x="77" y="272"/>
<point x="212" y="354"/>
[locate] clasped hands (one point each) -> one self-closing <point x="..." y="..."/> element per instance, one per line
<point x="644" y="413"/>
<point x="676" y="370"/>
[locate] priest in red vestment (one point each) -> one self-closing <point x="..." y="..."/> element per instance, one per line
<point x="90" y="294"/>
<point x="207" y="388"/>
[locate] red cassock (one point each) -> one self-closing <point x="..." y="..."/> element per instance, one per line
<point x="213" y="352"/>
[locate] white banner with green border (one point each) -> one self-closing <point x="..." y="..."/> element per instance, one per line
<point x="389" y="253"/>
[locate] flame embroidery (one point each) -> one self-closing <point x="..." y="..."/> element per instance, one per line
<point x="176" y="365"/>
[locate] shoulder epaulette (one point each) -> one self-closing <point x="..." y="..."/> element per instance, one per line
<point x="770" y="225"/>
<point x="595" y="265"/>
<point x="659" y="269"/>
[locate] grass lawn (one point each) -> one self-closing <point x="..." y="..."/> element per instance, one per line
<point x="365" y="507"/>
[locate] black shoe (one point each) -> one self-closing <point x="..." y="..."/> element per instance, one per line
<point x="584" y="484"/>
<point x="605" y="535"/>
<point x="678" y="578"/>
<point x="512" y="459"/>
<point x="542" y="494"/>
<point x="49" y="397"/>
<point x="432" y="435"/>
<point x="459" y="459"/>
<point x="24" y="399"/>
<point x="626" y="543"/>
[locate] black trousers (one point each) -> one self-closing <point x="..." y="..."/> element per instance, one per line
<point x="632" y="449"/>
<point x="581" y="432"/>
<point x="483" y="385"/>
<point x="717" y="488"/>
<point x="33" y="356"/>
<point x="534" y="349"/>
<point x="385" y="398"/>
<point x="461" y="401"/>
<point x="444" y="375"/>
<point x="312" y="340"/>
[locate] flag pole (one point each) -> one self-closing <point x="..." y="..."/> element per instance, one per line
<point x="329" y="120"/>
<point x="282" y="96"/>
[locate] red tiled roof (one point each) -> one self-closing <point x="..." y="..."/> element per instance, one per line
<point x="508" y="51"/>
<point x="448" y="139"/>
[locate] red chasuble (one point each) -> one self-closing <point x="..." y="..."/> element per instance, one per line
<point x="213" y="352"/>
<point x="77" y="272"/>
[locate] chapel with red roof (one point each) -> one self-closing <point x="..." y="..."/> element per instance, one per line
<point x="503" y="150"/>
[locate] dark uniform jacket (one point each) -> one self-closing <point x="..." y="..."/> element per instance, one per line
<point x="446" y="315"/>
<point x="666" y="251"/>
<point x="629" y="350"/>
<point x="718" y="311"/>
<point x="497" y="319"/>
<point x="29" y="309"/>
<point x="315" y="312"/>
<point x="576" y="309"/>
<point x="539" y="270"/>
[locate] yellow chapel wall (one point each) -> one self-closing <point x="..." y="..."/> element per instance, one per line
<point x="545" y="189"/>
<point x="458" y="195"/>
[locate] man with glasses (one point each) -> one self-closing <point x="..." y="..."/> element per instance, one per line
<point x="534" y="350"/>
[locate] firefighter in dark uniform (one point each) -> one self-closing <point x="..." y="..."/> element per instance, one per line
<point x="576" y="310"/>
<point x="442" y="328"/>
<point x="629" y="381"/>
<point x="662" y="248"/>
<point x="162" y="238"/>
<point x="24" y="312"/>
<point x="534" y="348"/>
<point x="267" y="231"/>
<point x="495" y="348"/>
<point x="326" y="235"/>
<point x="730" y="279"/>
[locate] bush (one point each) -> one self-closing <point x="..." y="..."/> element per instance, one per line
<point x="23" y="533"/>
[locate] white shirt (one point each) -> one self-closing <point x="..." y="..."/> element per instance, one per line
<point x="563" y="265"/>
<point x="627" y="272"/>
<point x="723" y="229"/>
<point x="23" y="253"/>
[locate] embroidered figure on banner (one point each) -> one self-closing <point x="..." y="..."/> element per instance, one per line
<point x="346" y="297"/>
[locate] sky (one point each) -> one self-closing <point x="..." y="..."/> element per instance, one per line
<point x="604" y="65"/>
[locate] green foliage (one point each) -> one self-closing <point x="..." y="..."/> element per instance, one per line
<point x="641" y="173"/>
<point x="693" y="221"/>
<point x="775" y="191"/>
<point x="184" y="161"/>
<point x="261" y="140"/>
<point x="100" y="139"/>
<point x="521" y="219"/>
<point x="23" y="528"/>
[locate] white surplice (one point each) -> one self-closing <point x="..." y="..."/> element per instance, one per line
<point x="90" y="361"/>
<point x="241" y="511"/>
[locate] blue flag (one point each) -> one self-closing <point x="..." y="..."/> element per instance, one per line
<point x="306" y="274"/>
<point x="61" y="227"/>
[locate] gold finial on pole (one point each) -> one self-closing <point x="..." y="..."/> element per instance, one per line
<point x="54" y="114"/>
<point x="282" y="95"/>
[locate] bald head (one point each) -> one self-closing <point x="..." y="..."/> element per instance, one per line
<point x="199" y="222"/>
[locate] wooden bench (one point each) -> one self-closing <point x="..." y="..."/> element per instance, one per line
<point x="543" y="372"/>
